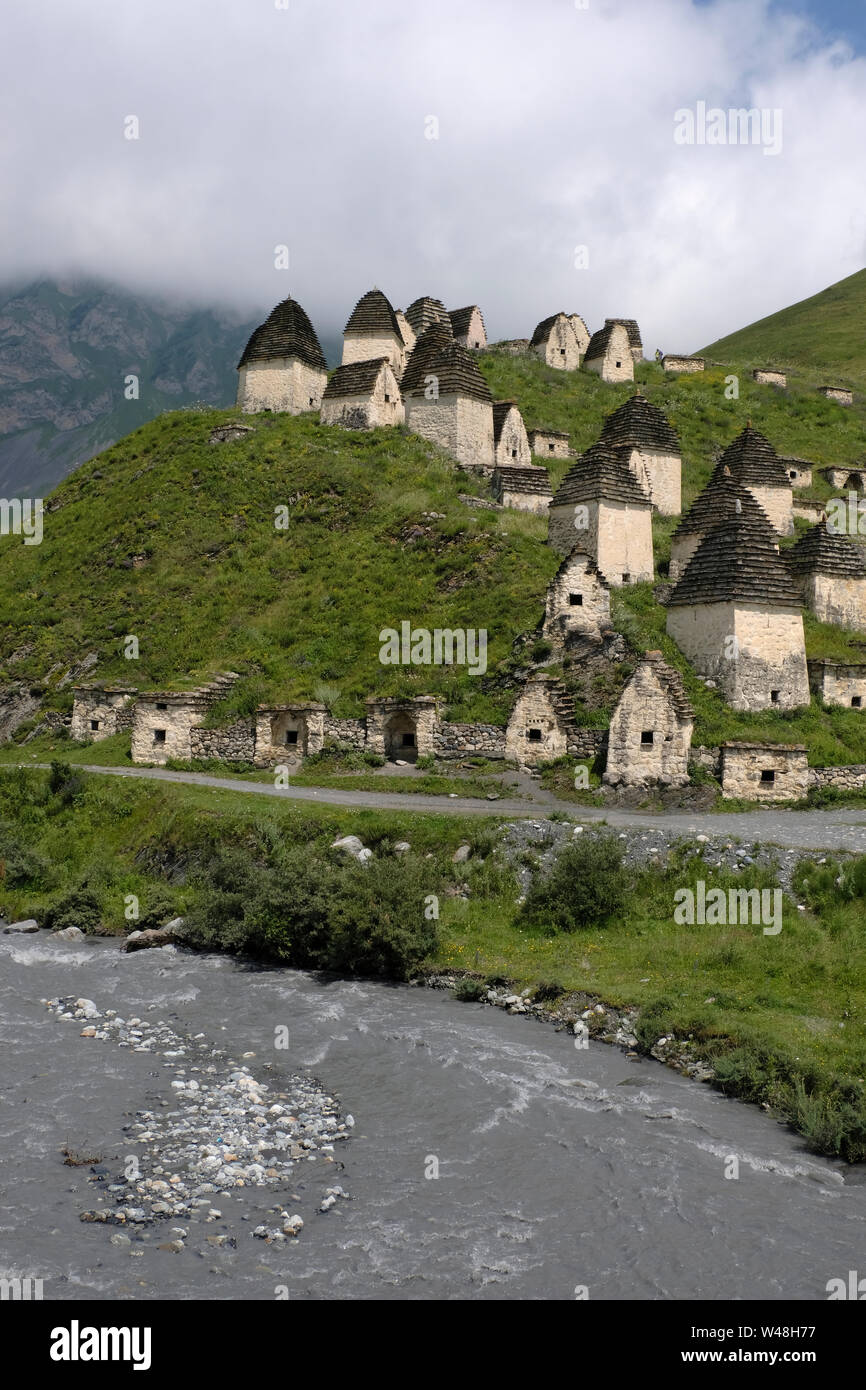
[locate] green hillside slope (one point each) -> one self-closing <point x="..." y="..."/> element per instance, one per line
<point x="825" y="335"/>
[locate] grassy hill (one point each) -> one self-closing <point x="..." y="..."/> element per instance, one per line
<point x="824" y="335"/>
<point x="172" y="539"/>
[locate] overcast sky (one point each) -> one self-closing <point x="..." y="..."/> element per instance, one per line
<point x="308" y="126"/>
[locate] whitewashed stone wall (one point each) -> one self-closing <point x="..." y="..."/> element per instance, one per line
<point x="744" y="770"/>
<point x="647" y="741"/>
<point x="407" y="330"/>
<point x="617" y="364"/>
<point x="778" y="504"/>
<point x="111" y="710"/>
<point x="660" y="476"/>
<point x="768" y="653"/>
<point x="535" y="714"/>
<point x="768" y="378"/>
<point x="175" y="717"/>
<point x="275" y="726"/>
<point x="576" y="601"/>
<point x="381" y="406"/>
<point x="526" y="501"/>
<point x="547" y="445"/>
<point x="682" y="550"/>
<point x="807" y="511"/>
<point x="512" y="450"/>
<point x="281" y="384"/>
<point x="835" y="598"/>
<point x="839" y="684"/>
<point x="475" y="338"/>
<point x="461" y="425"/>
<point x="362" y="347"/>
<point x="618" y="536"/>
<point x="581" y="332"/>
<point x="838" y="394"/>
<point x="391" y="722"/>
<point x="799" y="475"/>
<point x="560" y="348"/>
<point x="682" y="365"/>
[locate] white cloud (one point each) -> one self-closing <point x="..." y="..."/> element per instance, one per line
<point x="307" y="126"/>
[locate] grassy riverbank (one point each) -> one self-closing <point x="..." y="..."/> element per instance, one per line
<point x="779" y="1017"/>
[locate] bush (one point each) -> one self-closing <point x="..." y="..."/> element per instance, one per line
<point x="469" y="990"/>
<point x="80" y="908"/>
<point x="546" y="991"/>
<point x="585" y="887"/>
<point x="65" y="784"/>
<point x="18" y="862"/>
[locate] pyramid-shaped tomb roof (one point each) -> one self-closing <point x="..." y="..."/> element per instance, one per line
<point x="373" y="314"/>
<point x="355" y="378"/>
<point x="718" y="501"/>
<point x="753" y="460"/>
<point x="600" y="474"/>
<point x="286" y="332"/>
<point x="736" y="562"/>
<point x="822" y="551"/>
<point x="638" y="424"/>
<point x="454" y="367"/>
<point x="425" y="311"/>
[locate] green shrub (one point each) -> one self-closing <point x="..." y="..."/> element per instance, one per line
<point x="65" y="784"/>
<point x="469" y="990"/>
<point x="585" y="887"/>
<point x="78" y="908"/>
<point x="18" y="862"/>
<point x="546" y="991"/>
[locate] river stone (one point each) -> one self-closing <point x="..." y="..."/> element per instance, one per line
<point x="22" y="928"/>
<point x="153" y="936"/>
<point x="402" y="847"/>
<point x="461" y="854"/>
<point x="350" y="844"/>
<point x="68" y="934"/>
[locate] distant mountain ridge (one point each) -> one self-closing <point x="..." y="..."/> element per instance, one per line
<point x="825" y="335"/>
<point x="66" y="349"/>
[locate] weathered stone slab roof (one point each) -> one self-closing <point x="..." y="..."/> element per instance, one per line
<point x="752" y="459"/>
<point x="638" y="424"/>
<point x="670" y="681"/>
<point x="544" y="329"/>
<point x="821" y="551"/>
<point x="631" y="328"/>
<point x="460" y="319"/>
<point x="354" y="378"/>
<point x="454" y="368"/>
<point x="424" y="311"/>
<point x="525" y="479"/>
<point x="719" y="500"/>
<point x="737" y="562"/>
<point x="767" y="747"/>
<point x="541" y="432"/>
<point x="373" y="314"/>
<point x="286" y="332"/>
<point x="601" y="474"/>
<point x="428" y="347"/>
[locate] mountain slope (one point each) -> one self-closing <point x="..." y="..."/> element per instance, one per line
<point x="825" y="334"/>
<point x="65" y="351"/>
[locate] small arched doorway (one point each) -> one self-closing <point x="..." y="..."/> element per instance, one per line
<point x="289" y="732"/>
<point x="401" y="738"/>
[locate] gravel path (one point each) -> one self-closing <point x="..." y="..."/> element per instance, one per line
<point x="834" y="829"/>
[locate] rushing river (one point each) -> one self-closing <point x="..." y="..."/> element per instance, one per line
<point x="557" y="1167"/>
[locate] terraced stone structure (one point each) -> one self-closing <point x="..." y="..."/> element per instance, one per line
<point x="467" y="325"/>
<point x="736" y="616"/>
<point x="764" y="771"/>
<point x="448" y="401"/>
<point x="540" y="723"/>
<point x="600" y="504"/>
<point x="577" y="600"/>
<point x="164" y="720"/>
<point x="651" y="728"/>
<point x="510" y="440"/>
<point x="551" y="444"/>
<point x="555" y="343"/>
<point x="424" y="312"/>
<point x="289" y="733"/>
<point x="525" y="489"/>
<point x="721" y="498"/>
<point x="839" y="682"/>
<point x="373" y="331"/>
<point x="829" y="572"/>
<point x="282" y="367"/>
<point x="755" y="464"/>
<point x="651" y="448"/>
<point x="609" y="354"/>
<point x="98" y="711"/>
<point x="362" y="396"/>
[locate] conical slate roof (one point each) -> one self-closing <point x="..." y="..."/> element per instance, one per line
<point x="638" y="424"/>
<point x="543" y="329"/>
<point x="600" y="474"/>
<point x="822" y="551"/>
<point x="600" y="340"/>
<point x="424" y="311"/>
<point x="454" y="368"/>
<point x="286" y="332"/>
<point x="373" y="314"/>
<point x="354" y="378"/>
<point x="718" y="501"/>
<point x="428" y="348"/>
<point x="461" y="318"/>
<point x="753" y="460"/>
<point x="670" y="680"/>
<point x="736" y="562"/>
